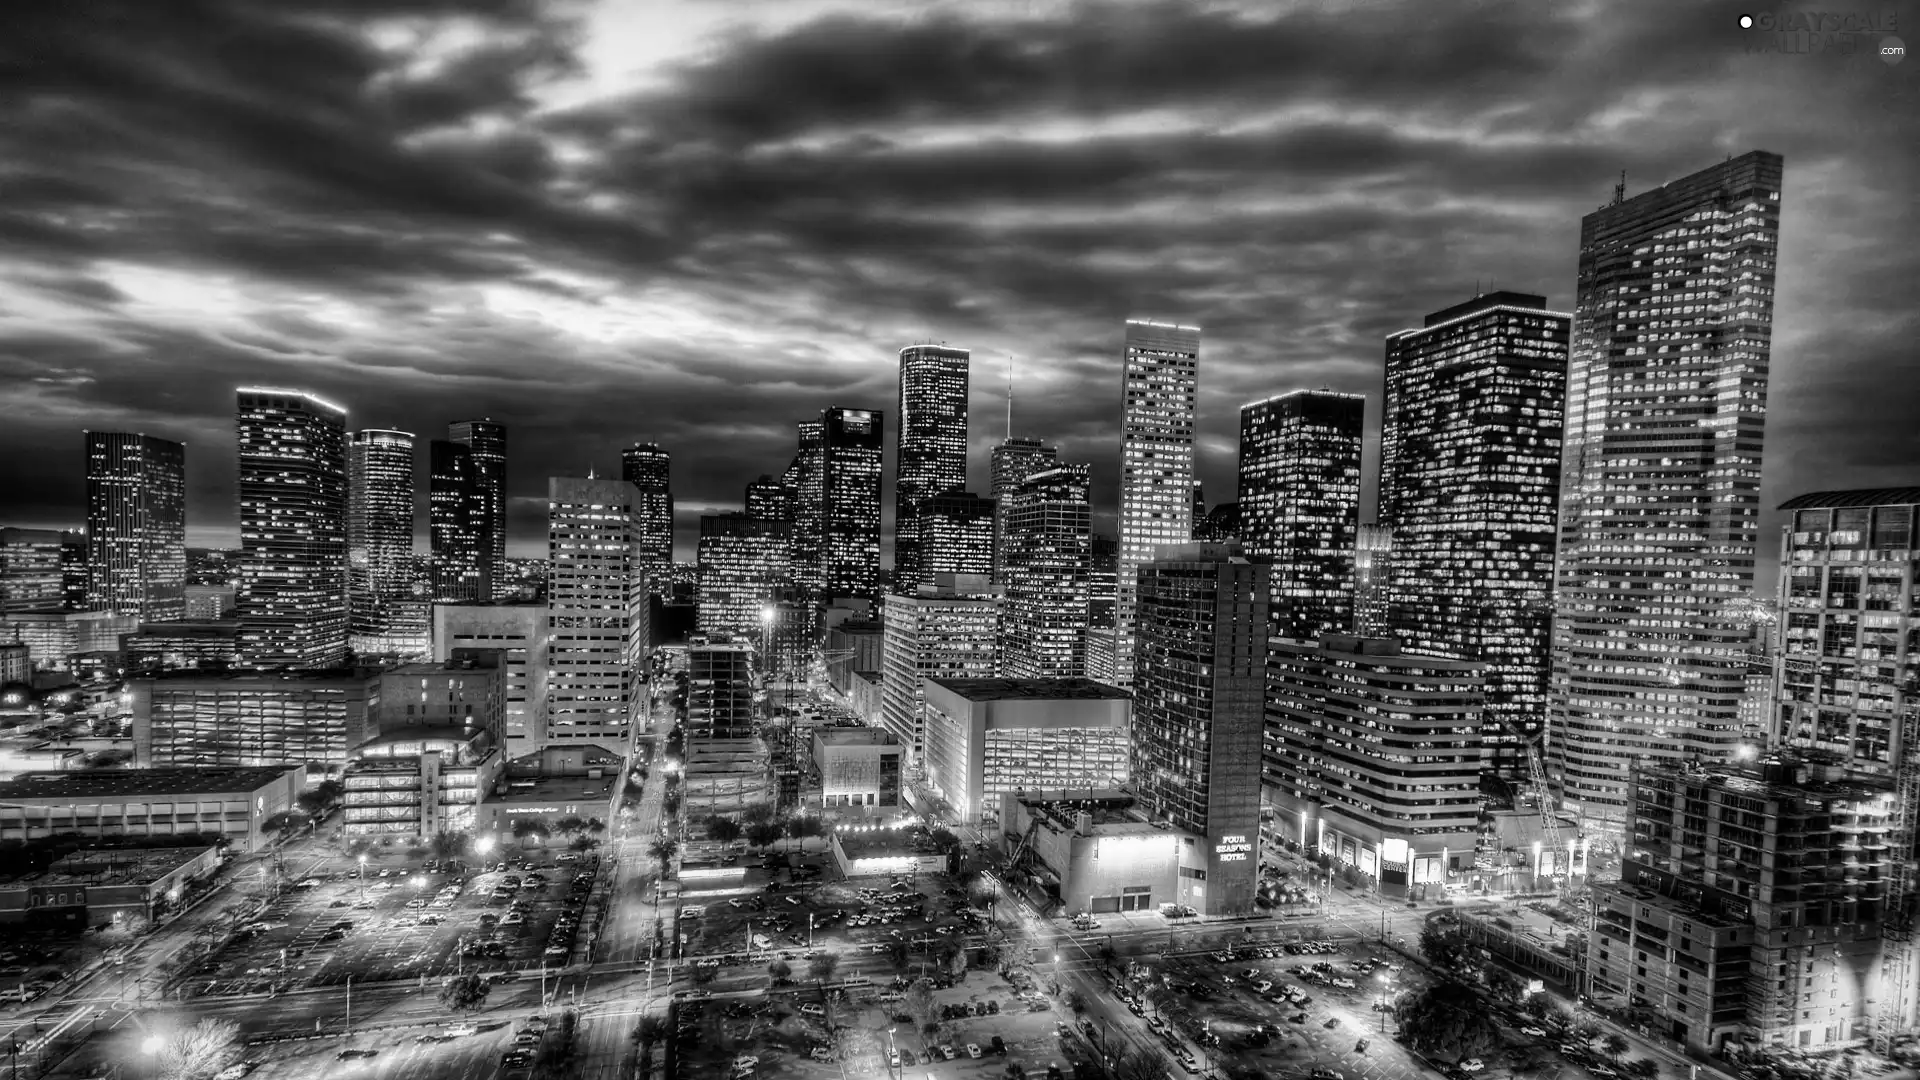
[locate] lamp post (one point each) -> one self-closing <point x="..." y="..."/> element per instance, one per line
<point x="1536" y="866"/>
<point x="1386" y="992"/>
<point x="361" y="873"/>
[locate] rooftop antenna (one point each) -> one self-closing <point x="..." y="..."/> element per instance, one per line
<point x="1009" y="395"/>
<point x="1620" y="189"/>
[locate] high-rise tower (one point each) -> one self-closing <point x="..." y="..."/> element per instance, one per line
<point x="596" y="610"/>
<point x="292" y="599"/>
<point x="1049" y="550"/>
<point x="380" y="541"/>
<point x="1300" y="505"/>
<point x="646" y="467"/>
<point x="932" y="447"/>
<point x="1012" y="462"/>
<point x="853" y="442"/>
<point x="1660" y="481"/>
<point x="136" y="525"/>
<point x="488" y="440"/>
<point x="458" y="502"/>
<point x="1160" y="379"/>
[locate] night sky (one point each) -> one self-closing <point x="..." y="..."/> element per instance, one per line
<point x="697" y="221"/>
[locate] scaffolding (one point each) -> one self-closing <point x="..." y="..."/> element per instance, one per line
<point x="1900" y="982"/>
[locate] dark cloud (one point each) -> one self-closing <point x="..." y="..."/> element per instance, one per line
<point x="377" y="201"/>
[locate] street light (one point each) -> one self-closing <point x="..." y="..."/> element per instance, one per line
<point x="1386" y="990"/>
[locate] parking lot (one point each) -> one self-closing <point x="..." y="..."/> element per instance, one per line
<point x="460" y="1048"/>
<point x="410" y="923"/>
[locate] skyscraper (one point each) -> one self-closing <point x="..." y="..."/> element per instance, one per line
<point x="596" y="610"/>
<point x="458" y="502"/>
<point x="488" y="440"/>
<point x="292" y="600"/>
<point x="1372" y="565"/>
<point x="136" y="526"/>
<point x="806" y="477"/>
<point x="743" y="563"/>
<point x="933" y="445"/>
<point x="1160" y="378"/>
<point x="380" y="543"/>
<point x="1300" y="505"/>
<point x="956" y="537"/>
<point x="1660" y="481"/>
<point x="1012" y="462"/>
<point x="933" y="633"/>
<point x="30" y="575"/>
<point x="1199" y="708"/>
<point x="1469" y="482"/>
<point x="853" y="443"/>
<point x="769" y="499"/>
<point x="1049" y="548"/>
<point x="646" y="467"/>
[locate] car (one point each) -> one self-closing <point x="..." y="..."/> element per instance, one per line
<point x="349" y="1055"/>
<point x="1298" y="1018"/>
<point x="820" y="1053"/>
<point x="695" y="995"/>
<point x="517" y="1059"/>
<point x="1332" y="1022"/>
<point x="1263" y="986"/>
<point x="811" y="1009"/>
<point x="1134" y="1007"/>
<point x="236" y="1070"/>
<point x="461" y="1030"/>
<point x="947" y="1051"/>
<point x="1472" y="1065"/>
<point x="413" y="905"/>
<point x="1325" y="1074"/>
<point x="526" y="1038"/>
<point x="893" y="1059"/>
<point x="426" y="1037"/>
<point x="973" y="1050"/>
<point x="1537" y="1033"/>
<point x="513" y="918"/>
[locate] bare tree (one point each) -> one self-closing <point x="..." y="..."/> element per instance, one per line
<point x="200" y="1051"/>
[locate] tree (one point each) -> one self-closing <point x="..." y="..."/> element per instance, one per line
<point x="357" y="847"/>
<point x="1140" y="1063"/>
<point x="663" y="848"/>
<point x="723" y="830"/>
<point x="671" y="803"/>
<point x="525" y="829"/>
<point x="1447" y="947"/>
<point x="311" y="802"/>
<point x="286" y="822"/>
<point x="704" y="975"/>
<point x="570" y="826"/>
<point x="757" y="813"/>
<point x="764" y="833"/>
<point x="779" y="969"/>
<point x="944" y="840"/>
<point x="1107" y="953"/>
<point x="1642" y="1069"/>
<point x="446" y="844"/>
<point x="921" y="1006"/>
<point x="897" y="954"/>
<point x="1443" y="1022"/>
<point x="821" y="967"/>
<point x="1615" y="1045"/>
<point x="649" y="1030"/>
<point x="596" y="828"/>
<point x="1503" y="984"/>
<point x="1536" y="1006"/>
<point x="200" y="1051"/>
<point x="464" y="992"/>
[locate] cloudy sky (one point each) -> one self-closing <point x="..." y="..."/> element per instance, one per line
<point x="697" y="221"/>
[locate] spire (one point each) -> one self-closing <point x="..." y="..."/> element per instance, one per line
<point x="1009" y="395"/>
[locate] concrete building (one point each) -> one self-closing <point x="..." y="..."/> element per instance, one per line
<point x="867" y="697"/>
<point x="1749" y="906"/>
<point x="520" y="632"/>
<point x="55" y="639"/>
<point x="854" y="645"/>
<point x="136" y="525"/>
<point x="860" y="770"/>
<point x="986" y="737"/>
<point x="720" y="689"/>
<point x="1159" y="383"/>
<point x="293" y="529"/>
<point x="16" y="664"/>
<point x="384" y="616"/>
<point x="208" y="602"/>
<point x="1048" y="563"/>
<point x="163" y="802"/>
<point x="171" y="646"/>
<point x="1012" y="462"/>
<point x="1659" y="517"/>
<point x="743" y="567"/>
<point x="420" y="781"/>
<point x="1373" y="756"/>
<point x="947" y="630"/>
<point x="597" y="611"/>
<point x="252" y="718"/>
<point x="883" y="852"/>
<point x="557" y="782"/>
<point x="956" y="538"/>
<point x="90" y="889"/>
<point x="30" y="571"/>
<point x="1093" y="851"/>
<point x="1199" y="690"/>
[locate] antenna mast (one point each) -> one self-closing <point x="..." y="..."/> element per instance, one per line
<point x="1009" y="395"/>
<point x="1620" y="189"/>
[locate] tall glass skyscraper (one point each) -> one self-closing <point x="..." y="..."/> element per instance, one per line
<point x="806" y="478"/>
<point x="1300" y="505"/>
<point x="647" y="466"/>
<point x="956" y="537"/>
<point x="381" y="607"/>
<point x="292" y="599"/>
<point x="743" y="563"/>
<point x="458" y="502"/>
<point x="1011" y="463"/>
<point x="853" y="443"/>
<point x="488" y="440"/>
<point x="933" y="447"/>
<point x="136" y="525"/>
<point x="1159" y="384"/>
<point x="1469" y="480"/>
<point x="1049" y="554"/>
<point x="1660" y="482"/>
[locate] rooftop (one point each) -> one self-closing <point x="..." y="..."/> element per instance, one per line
<point x="556" y="788"/>
<point x="878" y="843"/>
<point x="470" y="660"/>
<point x="1821" y="500"/>
<point x="112" y="866"/>
<point x="1032" y="689"/>
<point x="304" y="675"/>
<point x="854" y="736"/>
<point x="72" y="786"/>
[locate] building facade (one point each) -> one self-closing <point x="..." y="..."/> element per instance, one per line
<point x="1475" y="405"/>
<point x="989" y="737"/>
<point x="293" y="529"/>
<point x="1198" y="718"/>
<point x="234" y="802"/>
<point x="136" y="525"/>
<point x="384" y="617"/>
<point x="519" y="633"/>
<point x="487" y="440"/>
<point x="854" y="645"/>
<point x="1094" y="852"/>
<point x="1048" y="554"/>
<point x="956" y="537"/>
<point x="212" y="644"/>
<point x="458" y="502"/>
<point x="1010" y="464"/>
<point x="719" y="689"/>
<point x="1159" y="388"/>
<point x="596" y="611"/>
<point x="853" y="442"/>
<point x="31" y="581"/>
<point x="1372" y="571"/>
<point x="1300" y="505"/>
<point x="937" y="633"/>
<point x="932" y="447"/>
<point x="1673" y="317"/>
<point x="860" y="770"/>
<point x="648" y="467"/>
<point x="193" y="719"/>
<point x="743" y="566"/>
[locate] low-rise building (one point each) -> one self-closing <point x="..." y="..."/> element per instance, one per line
<point x="520" y="632"/>
<point x="54" y="639"/>
<point x="174" y="646"/>
<point x="541" y="789"/>
<point x="228" y="719"/>
<point x="989" y="737"/>
<point x="16" y="664"/>
<point x="1093" y="851"/>
<point x="867" y="692"/>
<point x="859" y="770"/>
<point x="205" y="602"/>
<point x="870" y="851"/>
<point x="105" y="886"/>
<point x="419" y="782"/>
<point x="233" y="802"/>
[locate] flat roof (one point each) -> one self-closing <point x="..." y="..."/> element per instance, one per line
<point x="575" y="788"/>
<point x="853" y="735"/>
<point x="1032" y="689"/>
<point x="70" y="786"/>
<point x="112" y="866"/>
<point x="287" y="675"/>
<point x="1829" y="500"/>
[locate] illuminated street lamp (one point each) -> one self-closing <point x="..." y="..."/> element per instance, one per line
<point x="1536" y="866"/>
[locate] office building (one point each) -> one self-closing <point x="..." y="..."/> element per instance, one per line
<point x="208" y="602"/>
<point x="1373" y="757"/>
<point x="860" y="771"/>
<point x="1094" y="851"/>
<point x="1159" y="385"/>
<point x="73" y="571"/>
<point x="854" y="645"/>
<point x="487" y="440"/>
<point x="458" y="502"/>
<point x="743" y="565"/>
<point x="519" y="633"/>
<point x="596" y="611"/>
<point x="1198" y="697"/>
<point x="1372" y="569"/>
<point x="1469" y="484"/>
<point x="769" y="499"/>
<point x="956" y="537"/>
<point x="805" y="478"/>
<point x="174" y="646"/>
<point x="433" y="751"/>
<point x="234" y="802"/>
<point x="30" y="572"/>
<point x="1103" y="579"/>
<point x="136" y="525"/>
<point x="202" y="719"/>
<point x="1048" y="555"/>
<point x="989" y="737"/>
<point x="1659" y="520"/>
<point x="56" y="640"/>
<point x="946" y="631"/>
<point x="1220" y="526"/>
<point x="1300" y="505"/>
<point x="1011" y="463"/>
<point x="932" y="448"/>
<point x="646" y="466"/>
<point x="384" y="617"/>
<point x="719" y="689"/>
<point x="852" y="444"/>
<point x="1749" y="906"/>
<point x="293" y="529"/>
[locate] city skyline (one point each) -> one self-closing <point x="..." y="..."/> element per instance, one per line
<point x="591" y="310"/>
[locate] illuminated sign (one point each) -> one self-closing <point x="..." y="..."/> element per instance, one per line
<point x="1232" y="848"/>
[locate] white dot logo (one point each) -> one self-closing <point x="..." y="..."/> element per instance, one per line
<point x="1746" y="22"/>
<point x="1892" y="50"/>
